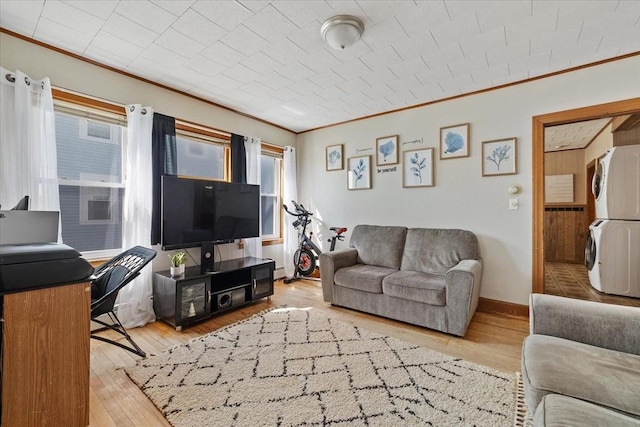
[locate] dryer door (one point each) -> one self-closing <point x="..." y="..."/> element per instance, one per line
<point x="590" y="251"/>
<point x="598" y="180"/>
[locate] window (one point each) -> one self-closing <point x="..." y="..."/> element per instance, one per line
<point x="270" y="196"/>
<point x="91" y="180"/>
<point x="201" y="157"/>
<point x="91" y="141"/>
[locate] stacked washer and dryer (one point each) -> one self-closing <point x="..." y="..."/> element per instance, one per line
<point x="612" y="255"/>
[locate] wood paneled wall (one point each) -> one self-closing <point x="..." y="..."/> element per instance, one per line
<point x="565" y="233"/>
<point x="629" y="134"/>
<point x="569" y="162"/>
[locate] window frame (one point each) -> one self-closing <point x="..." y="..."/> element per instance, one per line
<point x="276" y="194"/>
<point x="277" y="152"/>
<point x="85" y="109"/>
<point x="204" y="136"/>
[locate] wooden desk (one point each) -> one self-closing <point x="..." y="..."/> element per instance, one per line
<point x="45" y="357"/>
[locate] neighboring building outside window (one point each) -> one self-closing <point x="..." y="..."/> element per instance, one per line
<point x="91" y="182"/>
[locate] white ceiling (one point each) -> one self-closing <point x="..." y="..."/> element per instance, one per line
<point x="572" y="136"/>
<point x="267" y="59"/>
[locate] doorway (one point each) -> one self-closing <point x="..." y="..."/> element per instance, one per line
<point x="539" y="123"/>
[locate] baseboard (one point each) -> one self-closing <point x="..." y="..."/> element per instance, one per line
<point x="487" y="305"/>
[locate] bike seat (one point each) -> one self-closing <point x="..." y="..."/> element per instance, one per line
<point x="338" y="230"/>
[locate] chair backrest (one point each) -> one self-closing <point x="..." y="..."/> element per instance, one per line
<point x="114" y="274"/>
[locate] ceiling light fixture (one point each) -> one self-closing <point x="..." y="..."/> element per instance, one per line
<point x="341" y="31"/>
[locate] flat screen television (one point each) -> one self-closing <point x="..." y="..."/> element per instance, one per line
<point x="196" y="211"/>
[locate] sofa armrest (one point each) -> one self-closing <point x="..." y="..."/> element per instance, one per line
<point x="603" y="325"/>
<point x="330" y="262"/>
<point x="463" y="291"/>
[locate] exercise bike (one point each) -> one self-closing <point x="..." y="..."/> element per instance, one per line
<point x="307" y="254"/>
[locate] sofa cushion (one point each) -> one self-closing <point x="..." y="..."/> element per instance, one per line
<point x="414" y="285"/>
<point x="379" y="245"/>
<point x="367" y="278"/>
<point x="557" y="410"/>
<point x="431" y="250"/>
<point x="595" y="374"/>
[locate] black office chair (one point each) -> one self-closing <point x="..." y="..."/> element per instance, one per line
<point x="110" y="277"/>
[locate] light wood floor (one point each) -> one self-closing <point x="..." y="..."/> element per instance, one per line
<point x="491" y="340"/>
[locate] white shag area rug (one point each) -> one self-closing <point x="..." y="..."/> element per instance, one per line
<point x="298" y="367"/>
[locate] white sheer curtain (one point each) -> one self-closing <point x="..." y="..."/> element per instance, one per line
<point x="135" y="306"/>
<point x="290" y="192"/>
<point x="28" y="164"/>
<point x="253" y="148"/>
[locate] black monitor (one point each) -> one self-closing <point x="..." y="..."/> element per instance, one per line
<point x="196" y="211"/>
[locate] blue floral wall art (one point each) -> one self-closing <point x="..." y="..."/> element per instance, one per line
<point x="454" y="141"/>
<point x="499" y="157"/>
<point x="417" y="168"/>
<point x="499" y="154"/>
<point x="334" y="157"/>
<point x="359" y="174"/>
<point x="387" y="150"/>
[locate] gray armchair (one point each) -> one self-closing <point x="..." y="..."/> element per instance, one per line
<point x="587" y="352"/>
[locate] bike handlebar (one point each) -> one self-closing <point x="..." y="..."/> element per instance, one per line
<point x="303" y="218"/>
<point x="300" y="210"/>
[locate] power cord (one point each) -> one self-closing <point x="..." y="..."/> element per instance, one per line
<point x="191" y="256"/>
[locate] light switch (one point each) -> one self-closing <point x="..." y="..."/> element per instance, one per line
<point x="513" y="204"/>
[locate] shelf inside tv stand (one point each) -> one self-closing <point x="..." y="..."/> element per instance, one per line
<point x="198" y="295"/>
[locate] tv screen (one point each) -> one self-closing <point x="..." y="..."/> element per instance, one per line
<point x="196" y="211"/>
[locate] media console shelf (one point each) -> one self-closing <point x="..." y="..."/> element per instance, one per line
<point x="197" y="295"/>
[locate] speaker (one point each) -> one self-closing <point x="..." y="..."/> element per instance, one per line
<point x="230" y="298"/>
<point x="207" y="257"/>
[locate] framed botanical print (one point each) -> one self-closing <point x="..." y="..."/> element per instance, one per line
<point x="359" y="173"/>
<point x="454" y="141"/>
<point x="387" y="150"/>
<point x="334" y="157"/>
<point x="499" y="157"/>
<point x="417" y="168"/>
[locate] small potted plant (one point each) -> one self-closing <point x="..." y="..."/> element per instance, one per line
<point x="178" y="260"/>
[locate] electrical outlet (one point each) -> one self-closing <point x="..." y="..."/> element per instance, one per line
<point x="513" y="204"/>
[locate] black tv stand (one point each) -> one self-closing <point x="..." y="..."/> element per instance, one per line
<point x="197" y="295"/>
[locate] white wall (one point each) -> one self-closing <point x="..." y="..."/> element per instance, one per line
<point x="78" y="76"/>
<point x="461" y="198"/>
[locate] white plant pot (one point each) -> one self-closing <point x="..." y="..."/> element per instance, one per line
<point x="177" y="271"/>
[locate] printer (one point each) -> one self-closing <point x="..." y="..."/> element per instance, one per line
<point x="28" y="266"/>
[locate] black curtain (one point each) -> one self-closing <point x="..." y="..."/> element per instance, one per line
<point x="165" y="162"/>
<point x="238" y="159"/>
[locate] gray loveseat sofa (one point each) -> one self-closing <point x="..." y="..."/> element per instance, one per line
<point x="581" y="363"/>
<point x="424" y="276"/>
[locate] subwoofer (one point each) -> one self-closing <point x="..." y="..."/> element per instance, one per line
<point x="230" y="298"/>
